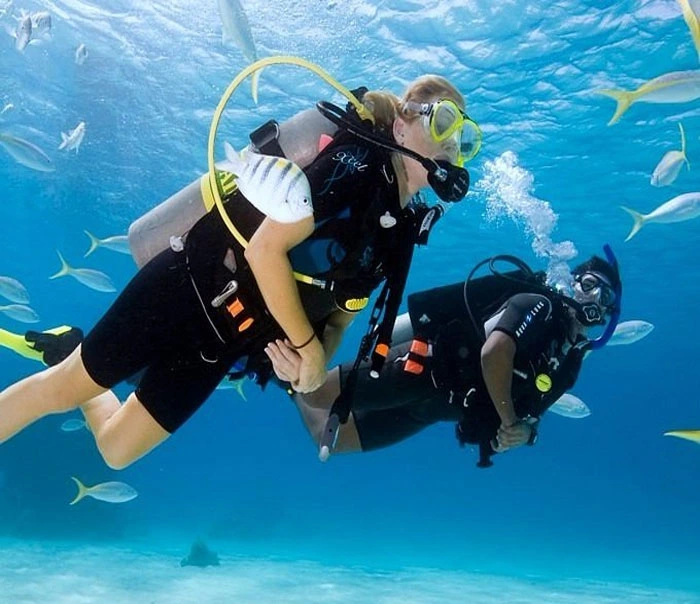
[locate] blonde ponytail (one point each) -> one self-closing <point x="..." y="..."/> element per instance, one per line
<point x="386" y="107"/>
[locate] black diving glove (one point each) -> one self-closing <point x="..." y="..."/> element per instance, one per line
<point x="55" y="347"/>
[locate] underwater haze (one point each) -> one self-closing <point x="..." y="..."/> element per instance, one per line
<point x="603" y="508"/>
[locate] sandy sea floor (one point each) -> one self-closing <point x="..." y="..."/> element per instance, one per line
<point x="74" y="574"/>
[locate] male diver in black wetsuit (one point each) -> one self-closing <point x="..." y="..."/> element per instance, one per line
<point x="491" y="354"/>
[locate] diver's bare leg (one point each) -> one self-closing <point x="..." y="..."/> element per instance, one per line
<point x="123" y="433"/>
<point x="55" y="390"/>
<point x="313" y="408"/>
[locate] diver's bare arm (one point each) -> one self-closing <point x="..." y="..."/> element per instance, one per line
<point x="497" y="355"/>
<point x="267" y="255"/>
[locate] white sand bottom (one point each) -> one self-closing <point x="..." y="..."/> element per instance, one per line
<point x="74" y="574"/>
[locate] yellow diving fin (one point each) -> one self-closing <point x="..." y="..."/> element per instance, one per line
<point x="36" y="345"/>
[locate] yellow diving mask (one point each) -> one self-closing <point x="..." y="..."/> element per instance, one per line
<point x="450" y="127"/>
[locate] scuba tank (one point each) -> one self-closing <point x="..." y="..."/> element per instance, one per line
<point x="296" y="139"/>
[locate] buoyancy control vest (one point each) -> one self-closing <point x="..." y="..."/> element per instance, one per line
<point x="360" y="226"/>
<point x="440" y="317"/>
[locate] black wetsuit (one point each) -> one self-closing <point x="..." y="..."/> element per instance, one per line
<point x="451" y="388"/>
<point x="164" y="321"/>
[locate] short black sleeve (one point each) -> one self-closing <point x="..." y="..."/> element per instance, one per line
<point x="344" y="174"/>
<point x="528" y="319"/>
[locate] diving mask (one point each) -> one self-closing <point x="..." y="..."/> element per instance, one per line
<point x="450" y="127"/>
<point x="592" y="285"/>
<point x="597" y="288"/>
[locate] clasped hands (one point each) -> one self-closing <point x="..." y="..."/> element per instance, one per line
<point x="304" y="369"/>
<point x="511" y="436"/>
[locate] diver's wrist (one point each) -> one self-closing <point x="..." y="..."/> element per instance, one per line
<point x="313" y="349"/>
<point x="506" y="411"/>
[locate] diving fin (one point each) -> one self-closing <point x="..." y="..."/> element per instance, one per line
<point x="49" y="347"/>
<point x="54" y="344"/>
<point x="16" y="342"/>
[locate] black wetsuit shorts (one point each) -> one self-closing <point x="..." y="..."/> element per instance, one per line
<point x="157" y="324"/>
<point x="396" y="405"/>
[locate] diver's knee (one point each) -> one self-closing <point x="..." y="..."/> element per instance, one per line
<point x="115" y="460"/>
<point x="55" y="389"/>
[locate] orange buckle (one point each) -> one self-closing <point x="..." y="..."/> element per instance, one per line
<point x="413" y="367"/>
<point x="235" y="308"/>
<point x="381" y="350"/>
<point x="420" y="348"/>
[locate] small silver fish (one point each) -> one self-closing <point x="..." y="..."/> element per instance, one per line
<point x="20" y="312"/>
<point x="679" y="209"/>
<point x="26" y="153"/>
<point x="235" y="31"/>
<point x="41" y="24"/>
<point x="274" y="185"/>
<point x="81" y="54"/>
<point x="629" y="332"/>
<point x="73" y="139"/>
<point x="236" y="28"/>
<point x="570" y="406"/>
<point x="117" y="243"/>
<point x="670" y="165"/>
<point x="7" y="107"/>
<point x="23" y="33"/>
<point x="13" y="290"/>
<point x="111" y="492"/>
<point x="73" y="425"/>
<point x="93" y="279"/>
<point x="237" y="385"/>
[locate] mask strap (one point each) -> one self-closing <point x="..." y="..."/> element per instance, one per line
<point x="447" y="180"/>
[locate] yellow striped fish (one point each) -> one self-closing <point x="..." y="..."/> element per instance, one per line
<point x="274" y="185"/>
<point x="691" y="435"/>
<point x="674" y="87"/>
<point x="691" y="14"/>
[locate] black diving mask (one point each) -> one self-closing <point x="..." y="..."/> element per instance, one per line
<point x="594" y="313"/>
<point x="591" y="281"/>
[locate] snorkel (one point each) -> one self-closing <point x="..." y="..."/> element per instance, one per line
<point x="604" y="338"/>
<point x="590" y="314"/>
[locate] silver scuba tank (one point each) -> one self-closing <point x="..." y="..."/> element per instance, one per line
<point x="298" y="138"/>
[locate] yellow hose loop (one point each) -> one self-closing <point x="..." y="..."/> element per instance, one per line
<point x="214" y="183"/>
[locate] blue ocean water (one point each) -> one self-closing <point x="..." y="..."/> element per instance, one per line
<point x="603" y="509"/>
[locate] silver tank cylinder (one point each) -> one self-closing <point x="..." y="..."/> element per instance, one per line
<point x="150" y="234"/>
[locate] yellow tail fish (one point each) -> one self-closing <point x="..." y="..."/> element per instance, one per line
<point x="691" y="14"/>
<point x="674" y="87"/>
<point x="692" y="435"/>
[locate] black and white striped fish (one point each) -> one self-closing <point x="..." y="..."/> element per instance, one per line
<point x="274" y="185"/>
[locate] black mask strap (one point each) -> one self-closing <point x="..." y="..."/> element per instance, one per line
<point x="450" y="182"/>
